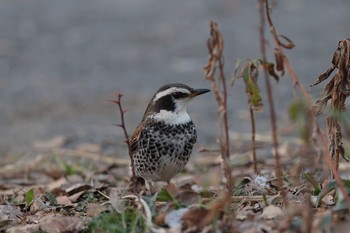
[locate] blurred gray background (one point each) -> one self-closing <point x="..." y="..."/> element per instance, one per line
<point x="60" y="61"/>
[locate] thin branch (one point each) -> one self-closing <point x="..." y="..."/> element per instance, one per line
<point x="122" y="111"/>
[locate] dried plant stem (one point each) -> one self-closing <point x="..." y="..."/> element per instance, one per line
<point x="278" y="169"/>
<point x="252" y="121"/>
<point x="219" y="87"/>
<point x="215" y="47"/>
<point x="225" y="144"/>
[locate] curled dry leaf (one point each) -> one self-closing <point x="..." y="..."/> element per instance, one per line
<point x="215" y="45"/>
<point x="289" y="43"/>
<point x="271" y="70"/>
<point x="250" y="76"/>
<point x="324" y="76"/>
<point x="321" y="105"/>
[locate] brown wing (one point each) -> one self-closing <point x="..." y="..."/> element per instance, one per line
<point x="135" y="137"/>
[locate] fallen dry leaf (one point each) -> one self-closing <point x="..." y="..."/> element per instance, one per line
<point x="63" y="200"/>
<point x="94" y="209"/>
<point x="8" y="214"/>
<point x="76" y="196"/>
<point x="29" y="228"/>
<point x="61" y="224"/>
<point x="56" y="184"/>
<point x="271" y="212"/>
<point x="76" y="188"/>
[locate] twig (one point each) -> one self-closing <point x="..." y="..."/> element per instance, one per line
<point x="127" y="140"/>
<point x="122" y="112"/>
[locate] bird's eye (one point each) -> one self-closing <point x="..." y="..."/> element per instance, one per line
<point x="179" y="95"/>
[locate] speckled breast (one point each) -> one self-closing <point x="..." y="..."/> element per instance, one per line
<point x="163" y="150"/>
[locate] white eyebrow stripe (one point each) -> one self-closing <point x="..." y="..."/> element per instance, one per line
<point x="168" y="91"/>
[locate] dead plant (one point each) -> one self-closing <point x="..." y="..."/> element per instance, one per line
<point x="280" y="68"/>
<point x="218" y="83"/>
<point x="283" y="62"/>
<point x="336" y="91"/>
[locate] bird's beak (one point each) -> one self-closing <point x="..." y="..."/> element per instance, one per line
<point x="199" y="92"/>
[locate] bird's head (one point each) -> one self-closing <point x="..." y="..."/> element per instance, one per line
<point x="170" y="101"/>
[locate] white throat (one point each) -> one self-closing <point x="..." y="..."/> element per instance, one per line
<point x="172" y="118"/>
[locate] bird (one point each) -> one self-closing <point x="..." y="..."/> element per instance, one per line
<point x="161" y="145"/>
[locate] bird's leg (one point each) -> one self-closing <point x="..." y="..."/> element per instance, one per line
<point x="148" y="186"/>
